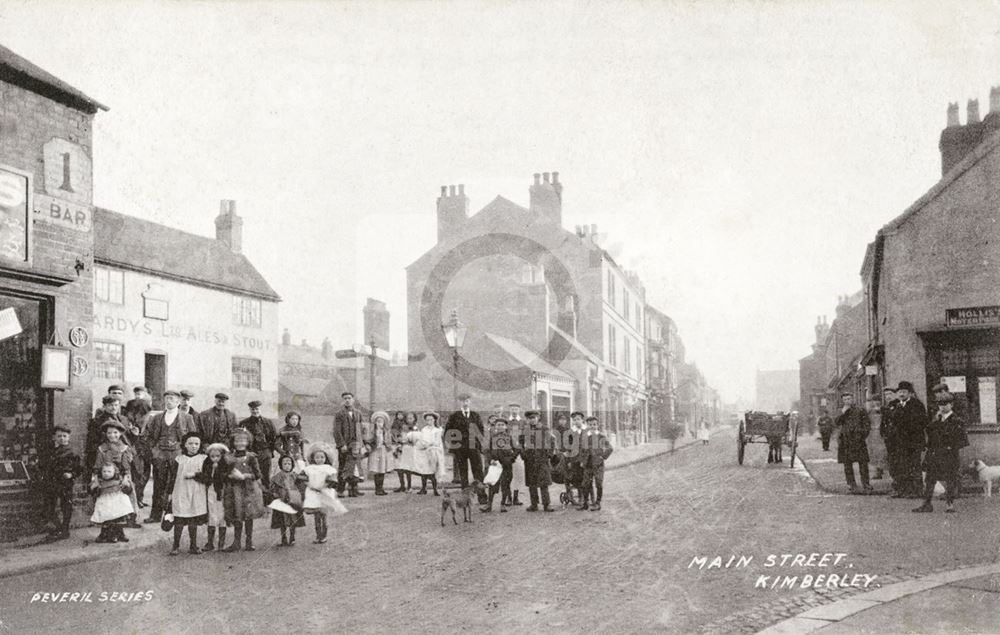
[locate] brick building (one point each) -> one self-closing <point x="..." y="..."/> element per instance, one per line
<point x="553" y="321"/>
<point x="813" y="379"/>
<point x="178" y="310"/>
<point x="932" y="281"/>
<point x="46" y="272"/>
<point x="665" y="351"/>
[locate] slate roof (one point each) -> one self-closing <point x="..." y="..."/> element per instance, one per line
<point x="142" y="245"/>
<point x="17" y="70"/>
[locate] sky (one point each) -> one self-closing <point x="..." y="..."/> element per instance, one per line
<point x="739" y="155"/>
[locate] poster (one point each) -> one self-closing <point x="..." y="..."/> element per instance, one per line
<point x="987" y="400"/>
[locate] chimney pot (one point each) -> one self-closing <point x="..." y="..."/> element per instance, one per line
<point x="972" y="112"/>
<point x="229" y="226"/>
<point x="593" y="230"/>
<point x="461" y="189"/>
<point x="555" y="177"/>
<point x="538" y="178"/>
<point x="545" y="176"/>
<point x="953" y="121"/>
<point x="444" y="191"/>
<point x="451" y="190"/>
<point x="579" y="231"/>
<point x="995" y="99"/>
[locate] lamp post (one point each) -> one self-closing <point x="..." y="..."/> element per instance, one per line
<point x="454" y="334"/>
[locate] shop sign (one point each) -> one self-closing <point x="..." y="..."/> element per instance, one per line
<point x="973" y="316"/>
<point x="78" y="336"/>
<point x="64" y="213"/>
<point x="56" y="362"/>
<point x="955" y="383"/>
<point x="13" y="473"/>
<point x="15" y="206"/>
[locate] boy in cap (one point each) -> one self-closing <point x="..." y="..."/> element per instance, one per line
<point x="59" y="470"/>
<point x="595" y="448"/>
<point x="163" y="436"/>
<point x="264" y="436"/>
<point x="217" y="423"/>
<point x="945" y="437"/>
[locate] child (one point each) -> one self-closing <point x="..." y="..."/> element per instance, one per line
<point x="290" y="440"/>
<point x="501" y="449"/>
<point x="321" y="478"/>
<point x="242" y="496"/>
<point x="60" y="469"/>
<point x="112" y="506"/>
<point x="380" y="459"/>
<point x="406" y="466"/>
<point x="286" y="494"/>
<point x="945" y="437"/>
<point x="115" y="450"/>
<point x="595" y="450"/>
<point x="187" y="493"/>
<point x="214" y="475"/>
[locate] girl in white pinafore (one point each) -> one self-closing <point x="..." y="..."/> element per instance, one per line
<point x="428" y="457"/>
<point x="321" y="477"/>
<point x="188" y="496"/>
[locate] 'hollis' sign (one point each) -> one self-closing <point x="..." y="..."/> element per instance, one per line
<point x="973" y="316"/>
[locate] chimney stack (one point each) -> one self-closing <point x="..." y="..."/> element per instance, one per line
<point x="229" y="226"/>
<point x="953" y="121"/>
<point x="286" y="338"/>
<point x="994" y="99"/>
<point x="326" y="350"/>
<point x="452" y="210"/>
<point x="972" y="112"/>
<point x="546" y="198"/>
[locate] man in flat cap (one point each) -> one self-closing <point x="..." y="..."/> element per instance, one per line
<point x="852" y="443"/>
<point x="463" y="436"/>
<point x="537" y="447"/>
<point x="163" y="435"/>
<point x="945" y="437"/>
<point x="186" y="407"/>
<point x="264" y="438"/>
<point x="348" y="434"/>
<point x="217" y="423"/>
<point x="909" y="421"/>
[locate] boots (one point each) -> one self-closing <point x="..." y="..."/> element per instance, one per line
<point x="515" y="501"/>
<point x="210" y="545"/>
<point x="379" y="484"/>
<point x="434" y="484"/>
<point x="249" y="543"/>
<point x="193" y="540"/>
<point x="120" y="534"/>
<point x="237" y="535"/>
<point x="291" y="538"/>
<point x="284" y="537"/>
<point x="320" y="528"/>
<point x="104" y="536"/>
<point x="176" y="549"/>
<point x="402" y="482"/>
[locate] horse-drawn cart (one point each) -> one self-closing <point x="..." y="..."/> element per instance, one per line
<point x="776" y="430"/>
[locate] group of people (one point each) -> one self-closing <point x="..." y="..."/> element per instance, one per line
<point x="916" y="442"/>
<point x="209" y="469"/>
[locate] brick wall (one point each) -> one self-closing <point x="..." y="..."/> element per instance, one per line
<point x="27" y="123"/>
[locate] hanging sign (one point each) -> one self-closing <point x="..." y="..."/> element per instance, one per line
<point x="56" y="362"/>
<point x="78" y="336"/>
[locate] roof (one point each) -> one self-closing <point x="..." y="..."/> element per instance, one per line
<point x="304" y="386"/>
<point x="141" y="245"/>
<point x="305" y="354"/>
<point x="527" y="358"/>
<point x="17" y="70"/>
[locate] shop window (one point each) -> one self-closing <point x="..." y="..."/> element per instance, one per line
<point x="246" y="373"/>
<point x="971" y="370"/>
<point x="246" y="311"/>
<point x="23" y="416"/>
<point x="109" y="360"/>
<point x="109" y="285"/>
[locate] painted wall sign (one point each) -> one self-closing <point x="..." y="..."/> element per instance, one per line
<point x="68" y="171"/>
<point x="63" y="213"/>
<point x="156" y="328"/>
<point x="15" y="204"/>
<point x="972" y="316"/>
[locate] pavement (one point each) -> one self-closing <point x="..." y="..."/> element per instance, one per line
<point x="960" y="600"/>
<point x="34" y="554"/>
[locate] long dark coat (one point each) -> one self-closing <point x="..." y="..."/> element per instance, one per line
<point x="537" y="447"/>
<point x="854" y="426"/>
<point x="461" y="433"/>
<point x="908" y="424"/>
<point x="215" y="426"/>
<point x="944" y="440"/>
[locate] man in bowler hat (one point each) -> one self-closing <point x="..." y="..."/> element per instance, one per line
<point x="909" y="421"/>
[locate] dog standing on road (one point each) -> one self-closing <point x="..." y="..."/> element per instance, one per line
<point x="986" y="474"/>
<point x="461" y="499"/>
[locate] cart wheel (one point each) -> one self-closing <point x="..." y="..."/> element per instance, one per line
<point x="741" y="441"/>
<point x="795" y="443"/>
<point x="563" y="499"/>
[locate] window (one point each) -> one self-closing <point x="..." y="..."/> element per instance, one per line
<point x="638" y="360"/>
<point x="109" y="360"/>
<point x="612" y="345"/>
<point x="625" y="305"/>
<point x="246" y="311"/>
<point x="246" y="373"/>
<point x="638" y="317"/>
<point x="628" y="354"/>
<point x="109" y="285"/>
<point x="611" y="287"/>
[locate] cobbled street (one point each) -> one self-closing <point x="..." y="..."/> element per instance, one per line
<point x="391" y="567"/>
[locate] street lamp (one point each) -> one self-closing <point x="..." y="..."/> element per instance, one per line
<point x="454" y="334"/>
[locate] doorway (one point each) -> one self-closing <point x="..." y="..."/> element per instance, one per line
<point x="156" y="378"/>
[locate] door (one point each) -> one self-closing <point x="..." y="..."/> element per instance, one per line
<point x="156" y="378"/>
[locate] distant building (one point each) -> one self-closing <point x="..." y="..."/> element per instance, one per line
<point x="777" y="390"/>
<point x="663" y="347"/>
<point x="177" y="310"/>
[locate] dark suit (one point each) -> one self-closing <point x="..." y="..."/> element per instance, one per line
<point x="164" y="443"/>
<point x="264" y="439"/>
<point x="945" y="437"/>
<point x="216" y="426"/>
<point x="463" y="436"/>
<point x="852" y="444"/>
<point x="348" y="434"/>
<point x="595" y="450"/>
<point x="909" y="422"/>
